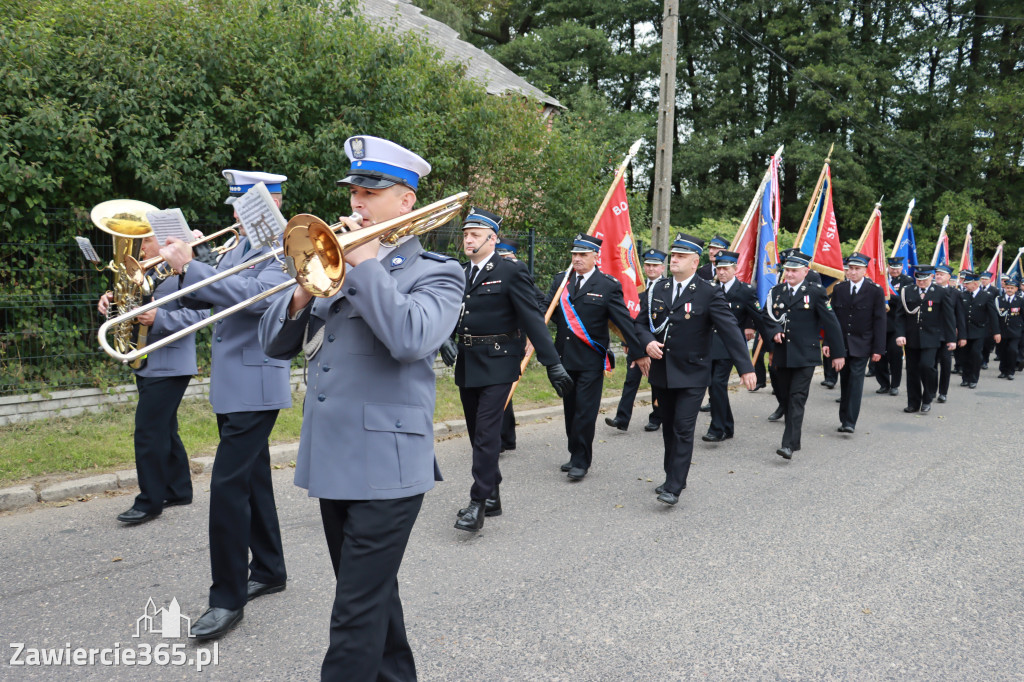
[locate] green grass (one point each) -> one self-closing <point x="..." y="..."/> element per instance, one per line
<point x="98" y="443"/>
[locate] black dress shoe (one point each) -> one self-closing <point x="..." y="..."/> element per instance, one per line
<point x="828" y="384"/>
<point x="839" y="400"/>
<point x="973" y="384"/>
<point x="667" y="497"/>
<point x="941" y="398"/>
<point x="926" y="407"/>
<point x="964" y="383"/>
<point x="616" y="423"/>
<point x="651" y="426"/>
<point x="492" y="507"/>
<point x="955" y="370"/>
<point x="178" y="503"/>
<point x="909" y="410"/>
<point x="776" y="415"/>
<point x="883" y="390"/>
<point x="894" y="391"/>
<point x="758" y="386"/>
<point x="706" y="407"/>
<point x="257" y="589"/>
<point x="1009" y="377"/>
<point x="577" y="473"/>
<point x="845" y="429"/>
<point x="785" y="453"/>
<point x="215" y="622"/>
<point x="984" y="365"/>
<point x="134" y="517"/>
<point x="661" y="488"/>
<point x="1002" y="375"/>
<point x="506" y="448"/>
<point x="714" y="438"/>
<point x="566" y="466"/>
<point x="473" y="519"/>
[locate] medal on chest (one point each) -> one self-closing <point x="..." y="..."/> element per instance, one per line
<point x="929" y="306"/>
<point x="807" y="301"/>
<point x="687" y="307"/>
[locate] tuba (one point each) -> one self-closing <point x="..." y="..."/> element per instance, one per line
<point x="125" y="220"/>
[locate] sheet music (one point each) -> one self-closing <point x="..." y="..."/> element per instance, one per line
<point x="260" y="216"/>
<point x="87" y="250"/>
<point x="169" y="223"/>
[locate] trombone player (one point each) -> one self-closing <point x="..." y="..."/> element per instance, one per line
<point x="247" y="389"/>
<point x="160" y="457"/>
<point x="367" y="444"/>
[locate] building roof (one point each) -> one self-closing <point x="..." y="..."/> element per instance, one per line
<point x="480" y="66"/>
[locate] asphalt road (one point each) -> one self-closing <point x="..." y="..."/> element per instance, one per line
<point x="895" y="553"/>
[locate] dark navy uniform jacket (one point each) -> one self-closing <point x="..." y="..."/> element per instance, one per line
<point x="1011" y="322"/>
<point x="861" y="317"/>
<point x="599" y="302"/>
<point x="692" y="319"/>
<point x="982" y="316"/>
<point x="501" y="301"/>
<point x="806" y="313"/>
<point x="928" y="321"/>
<point x="897" y="283"/>
<point x="743" y="303"/>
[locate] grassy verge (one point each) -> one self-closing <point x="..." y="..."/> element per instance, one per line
<point x="96" y="443"/>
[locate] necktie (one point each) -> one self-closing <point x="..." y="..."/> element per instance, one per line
<point x="472" y="276"/>
<point x="679" y="291"/>
<point x="579" y="283"/>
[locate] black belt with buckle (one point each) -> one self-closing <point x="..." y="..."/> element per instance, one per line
<point x="469" y="340"/>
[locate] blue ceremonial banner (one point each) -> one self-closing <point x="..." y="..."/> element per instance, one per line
<point x="810" y="240"/>
<point x="765" y="267"/>
<point x="907" y="248"/>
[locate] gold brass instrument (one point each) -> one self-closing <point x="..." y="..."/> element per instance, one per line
<point x="125" y="220"/>
<point x="313" y="251"/>
<point x="158" y="261"/>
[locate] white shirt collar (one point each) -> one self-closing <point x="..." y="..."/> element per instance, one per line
<point x="481" y="264"/>
<point x="685" y="283"/>
<point x="585" y="276"/>
<point x="728" y="285"/>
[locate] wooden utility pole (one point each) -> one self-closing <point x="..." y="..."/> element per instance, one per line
<point x="660" y="225"/>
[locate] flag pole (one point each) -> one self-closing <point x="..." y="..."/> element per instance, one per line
<point x="903" y="228"/>
<point x="814" y="200"/>
<point x="1015" y="260"/>
<point x="963" y="254"/>
<point x="741" y="231"/>
<point x="935" y="256"/>
<point x="565" y="278"/>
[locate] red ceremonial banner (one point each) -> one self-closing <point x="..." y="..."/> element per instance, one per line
<point x="828" y="251"/>
<point x="747" y="250"/>
<point x="874" y="248"/>
<point x="618" y="256"/>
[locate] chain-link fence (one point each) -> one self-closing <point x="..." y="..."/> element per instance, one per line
<point x="48" y="296"/>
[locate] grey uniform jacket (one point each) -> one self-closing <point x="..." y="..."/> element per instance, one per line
<point x="368" y="417"/>
<point x="242" y="377"/>
<point x="176" y="359"/>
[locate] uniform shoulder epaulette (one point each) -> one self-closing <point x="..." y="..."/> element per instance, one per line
<point x="748" y="285"/>
<point x="816" y="284"/>
<point x="610" y="277"/>
<point x="440" y="257"/>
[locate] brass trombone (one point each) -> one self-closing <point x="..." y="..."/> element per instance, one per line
<point x="142" y="267"/>
<point x="314" y="255"/>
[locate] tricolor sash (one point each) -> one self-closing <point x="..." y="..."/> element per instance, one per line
<point x="572" y="319"/>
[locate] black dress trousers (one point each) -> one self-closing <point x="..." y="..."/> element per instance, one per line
<point x="679" y="410"/>
<point x="972" y="360"/>
<point x="581" y="404"/>
<point x="721" y="411"/>
<point x="243" y="515"/>
<point x="922" y="379"/>
<point x="366" y="540"/>
<point x="630" y="386"/>
<point x="944" y="367"/>
<point x="484" y="407"/>
<point x="1008" y="355"/>
<point x="508" y="427"/>
<point x="160" y="457"/>
<point x="889" y="370"/>
<point x="851" y="378"/>
<point x="794" y="384"/>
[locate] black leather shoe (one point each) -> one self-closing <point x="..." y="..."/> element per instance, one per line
<point x="1009" y="377"/>
<point x="1002" y="375"/>
<point x="828" y="384"/>
<point x="984" y="365"/>
<point x="577" y="473"/>
<point x="955" y="370"/>
<point x="776" y="415"/>
<point x="215" y="622"/>
<point x="964" y="383"/>
<point x="257" y="589"/>
<point x="910" y="410"/>
<point x="706" y="407"/>
<point x="134" y="517"/>
<point x="615" y="423"/>
<point x="869" y="372"/>
<point x="785" y="453"/>
<point x="667" y="497"/>
<point x="473" y="519"/>
<point x="845" y="429"/>
<point x="178" y="503"/>
<point x="758" y="386"/>
<point x="661" y="488"/>
<point x="926" y="407"/>
<point x="506" y="448"/>
<point x="712" y="438"/>
<point x="492" y="507"/>
<point x="566" y="466"/>
<point x="883" y="390"/>
<point x="839" y="400"/>
<point x="973" y="384"/>
<point x="941" y="398"/>
<point x="651" y="426"/>
<point x="894" y="391"/>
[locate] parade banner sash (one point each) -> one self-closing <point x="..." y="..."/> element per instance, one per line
<point x="572" y="319"/>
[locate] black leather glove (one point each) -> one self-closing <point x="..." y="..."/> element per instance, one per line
<point x="449" y="352"/>
<point x="559" y="379"/>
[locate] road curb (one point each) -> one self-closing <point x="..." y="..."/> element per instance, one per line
<point x="281" y="454"/>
